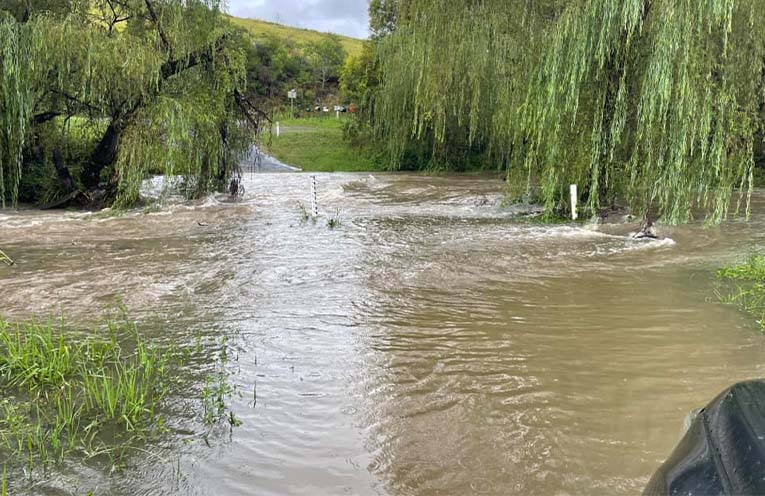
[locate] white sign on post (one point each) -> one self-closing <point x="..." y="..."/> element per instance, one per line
<point x="292" y="95"/>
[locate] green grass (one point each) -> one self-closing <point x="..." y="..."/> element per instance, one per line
<point x="318" y="121"/>
<point x="743" y="285"/>
<point x="64" y="391"/>
<point x="85" y="395"/>
<point x="317" y="144"/>
<point x="260" y="29"/>
<point x="5" y="259"/>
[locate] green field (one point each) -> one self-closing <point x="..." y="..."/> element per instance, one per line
<point x="317" y="144"/>
<point x="259" y="29"/>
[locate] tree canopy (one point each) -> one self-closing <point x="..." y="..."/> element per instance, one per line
<point x="657" y="103"/>
<point x="327" y="57"/>
<point x="95" y="93"/>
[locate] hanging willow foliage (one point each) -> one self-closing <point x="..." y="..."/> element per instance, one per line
<point x="15" y="108"/>
<point x="654" y="102"/>
<point x="157" y="84"/>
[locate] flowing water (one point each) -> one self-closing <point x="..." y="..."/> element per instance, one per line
<point x="429" y="345"/>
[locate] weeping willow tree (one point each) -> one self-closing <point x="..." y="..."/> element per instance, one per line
<point x="446" y="69"/>
<point x="657" y="103"/>
<point x="96" y="93"/>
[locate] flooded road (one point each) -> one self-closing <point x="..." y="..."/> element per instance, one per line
<point x="429" y="345"/>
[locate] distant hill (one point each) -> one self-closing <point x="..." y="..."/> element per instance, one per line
<point x="260" y="28"/>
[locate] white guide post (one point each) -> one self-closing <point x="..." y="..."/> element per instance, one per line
<point x="337" y="113"/>
<point x="314" y="201"/>
<point x="574" y="200"/>
<point x="278" y="129"/>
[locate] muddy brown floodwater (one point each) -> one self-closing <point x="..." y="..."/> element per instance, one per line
<point x="430" y="345"/>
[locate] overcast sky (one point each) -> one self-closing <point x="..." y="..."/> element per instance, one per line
<point x="348" y="17"/>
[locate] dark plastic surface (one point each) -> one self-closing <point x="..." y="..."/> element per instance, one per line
<point x="723" y="452"/>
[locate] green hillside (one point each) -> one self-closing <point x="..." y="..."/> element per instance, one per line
<point x="260" y="28"/>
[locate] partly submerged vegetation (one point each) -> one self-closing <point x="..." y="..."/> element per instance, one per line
<point x="74" y="395"/>
<point x="5" y="259"/>
<point x="744" y="286"/>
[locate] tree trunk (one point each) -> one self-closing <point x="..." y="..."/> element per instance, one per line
<point x="223" y="168"/>
<point x="104" y="155"/>
<point x="62" y="170"/>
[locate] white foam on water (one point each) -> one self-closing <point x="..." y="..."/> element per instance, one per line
<point x="632" y="245"/>
<point x="567" y="232"/>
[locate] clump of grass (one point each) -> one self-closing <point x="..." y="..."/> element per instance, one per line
<point x="745" y="287"/>
<point x="333" y="222"/>
<point x="5" y="259"/>
<point x="217" y="388"/>
<point x="305" y="215"/>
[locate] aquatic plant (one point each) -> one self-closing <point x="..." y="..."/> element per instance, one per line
<point x="745" y="287"/>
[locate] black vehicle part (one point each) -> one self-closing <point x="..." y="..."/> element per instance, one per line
<point x="723" y="452"/>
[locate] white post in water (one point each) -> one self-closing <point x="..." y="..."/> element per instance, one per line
<point x="314" y="201"/>
<point x="574" y="199"/>
<point x="278" y="129"/>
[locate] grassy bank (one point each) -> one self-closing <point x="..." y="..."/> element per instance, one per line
<point x="317" y="144"/>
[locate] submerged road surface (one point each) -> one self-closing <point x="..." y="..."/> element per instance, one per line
<point x="429" y="345"/>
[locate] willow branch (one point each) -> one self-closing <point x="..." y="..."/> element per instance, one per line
<point x="155" y="19"/>
<point x="45" y="117"/>
<point x="176" y="66"/>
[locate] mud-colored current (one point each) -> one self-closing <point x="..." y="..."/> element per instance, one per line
<point x="429" y="345"/>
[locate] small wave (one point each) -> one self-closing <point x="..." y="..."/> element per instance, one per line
<point x="368" y="183"/>
<point x="653" y="243"/>
<point x="34" y="218"/>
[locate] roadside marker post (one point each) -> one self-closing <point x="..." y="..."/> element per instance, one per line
<point x="574" y="200"/>
<point x="314" y="201"/>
